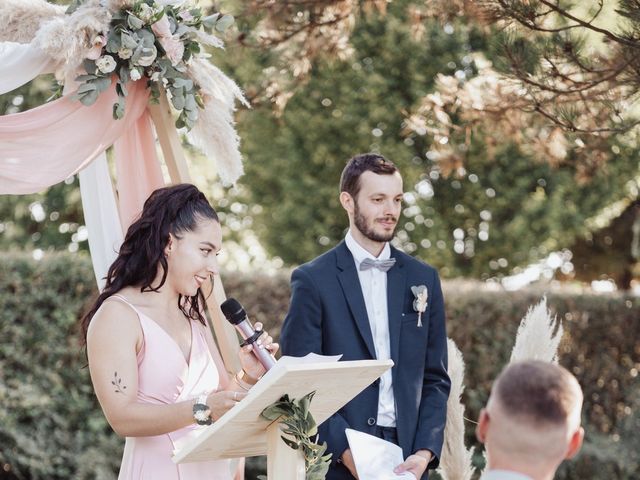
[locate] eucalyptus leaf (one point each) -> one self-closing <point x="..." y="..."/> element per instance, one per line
<point x="179" y="82"/>
<point x="90" y="66"/>
<point x="124" y="74"/>
<point x="147" y="37"/>
<point x="190" y="103"/>
<point x="121" y="89"/>
<point x="178" y="102"/>
<point x="181" y="30"/>
<point x="224" y="22"/>
<point x="86" y="87"/>
<point x="118" y="109"/>
<point x="134" y="22"/>
<point x="128" y="41"/>
<point x="102" y="84"/>
<point x="84" y="78"/>
<point x="114" y="42"/>
<point x="290" y="443"/>
<point x="210" y="21"/>
<point x="89" y="98"/>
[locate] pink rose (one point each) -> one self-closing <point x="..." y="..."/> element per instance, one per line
<point x="186" y="15"/>
<point x="174" y="48"/>
<point x="95" y="51"/>
<point x="161" y="28"/>
<point x="170" y="43"/>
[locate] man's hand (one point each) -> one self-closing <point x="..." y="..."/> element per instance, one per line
<point x="347" y="461"/>
<point x="416" y="463"/>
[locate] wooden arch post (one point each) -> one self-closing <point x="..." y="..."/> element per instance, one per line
<point x="171" y="146"/>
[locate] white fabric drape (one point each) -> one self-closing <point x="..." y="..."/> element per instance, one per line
<point x="100" y="216"/>
<point x="20" y="63"/>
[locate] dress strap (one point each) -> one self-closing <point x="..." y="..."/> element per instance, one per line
<point x="125" y="301"/>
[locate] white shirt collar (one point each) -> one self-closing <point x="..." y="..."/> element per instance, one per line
<point x="359" y="253"/>
<point x="503" y="475"/>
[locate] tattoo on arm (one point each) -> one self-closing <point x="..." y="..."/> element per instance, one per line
<point x="117" y="383"/>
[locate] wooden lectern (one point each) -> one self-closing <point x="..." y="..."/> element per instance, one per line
<point x="241" y="432"/>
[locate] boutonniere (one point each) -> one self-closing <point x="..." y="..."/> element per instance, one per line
<point x="420" y="302"/>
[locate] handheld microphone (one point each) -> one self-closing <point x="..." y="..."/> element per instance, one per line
<point x="234" y="312"/>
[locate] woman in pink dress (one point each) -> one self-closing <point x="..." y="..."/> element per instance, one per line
<point x="154" y="366"/>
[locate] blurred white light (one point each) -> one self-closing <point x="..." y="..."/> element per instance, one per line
<point x="37" y="211"/>
<point x="603" y="286"/>
<point x="424" y="189"/>
<point x="37" y="254"/>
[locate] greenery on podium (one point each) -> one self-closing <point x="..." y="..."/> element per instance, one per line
<point x="299" y="426"/>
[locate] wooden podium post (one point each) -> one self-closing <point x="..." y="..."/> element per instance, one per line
<point x="282" y="460"/>
<point x="242" y="432"/>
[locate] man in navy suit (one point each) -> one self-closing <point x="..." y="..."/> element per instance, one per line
<point x="356" y="300"/>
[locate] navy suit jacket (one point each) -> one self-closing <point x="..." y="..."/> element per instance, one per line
<point x="328" y="316"/>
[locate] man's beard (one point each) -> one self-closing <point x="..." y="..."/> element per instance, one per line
<point x="361" y="225"/>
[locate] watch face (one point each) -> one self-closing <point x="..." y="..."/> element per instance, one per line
<point x="202" y="414"/>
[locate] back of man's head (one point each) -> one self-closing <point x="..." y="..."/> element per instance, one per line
<point x="532" y="420"/>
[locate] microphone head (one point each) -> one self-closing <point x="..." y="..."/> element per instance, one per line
<point x="233" y="311"/>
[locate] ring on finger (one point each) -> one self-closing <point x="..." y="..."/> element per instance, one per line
<point x="235" y="396"/>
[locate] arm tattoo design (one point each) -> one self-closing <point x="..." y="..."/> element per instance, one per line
<point x="117" y="383"/>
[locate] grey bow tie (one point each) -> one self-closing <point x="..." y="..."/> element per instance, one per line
<point x="382" y="265"/>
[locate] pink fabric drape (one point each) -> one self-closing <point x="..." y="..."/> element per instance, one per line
<point x="137" y="168"/>
<point x="45" y="145"/>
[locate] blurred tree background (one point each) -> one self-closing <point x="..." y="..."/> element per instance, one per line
<point x="512" y="128"/>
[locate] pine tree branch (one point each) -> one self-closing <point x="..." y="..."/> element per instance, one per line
<point x="610" y="35"/>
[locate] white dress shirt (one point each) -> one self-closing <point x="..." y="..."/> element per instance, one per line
<point x="374" y="290"/>
<point x="503" y="475"/>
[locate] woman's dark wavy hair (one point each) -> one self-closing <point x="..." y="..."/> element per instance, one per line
<point x="175" y="209"/>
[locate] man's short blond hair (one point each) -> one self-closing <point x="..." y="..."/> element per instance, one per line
<point x="539" y="392"/>
<point x="534" y="408"/>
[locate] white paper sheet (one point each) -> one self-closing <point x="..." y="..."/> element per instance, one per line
<point x="308" y="358"/>
<point x="375" y="458"/>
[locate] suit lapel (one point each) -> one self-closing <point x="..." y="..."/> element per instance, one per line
<point x="396" y="285"/>
<point x="348" y="277"/>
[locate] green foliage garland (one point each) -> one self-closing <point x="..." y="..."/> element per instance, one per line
<point x="298" y="422"/>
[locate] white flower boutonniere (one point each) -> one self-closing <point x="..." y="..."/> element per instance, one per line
<point x="420" y="302"/>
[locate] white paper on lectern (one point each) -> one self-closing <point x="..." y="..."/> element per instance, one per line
<point x="375" y="458"/>
<point x="308" y="358"/>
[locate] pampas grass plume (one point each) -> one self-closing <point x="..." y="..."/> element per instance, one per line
<point x="214" y="133"/>
<point x="455" y="462"/>
<point x="535" y="339"/>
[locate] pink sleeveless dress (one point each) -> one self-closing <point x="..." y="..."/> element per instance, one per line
<point x="164" y="377"/>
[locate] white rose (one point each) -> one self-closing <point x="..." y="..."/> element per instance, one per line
<point x="155" y="76"/>
<point x="146" y="12"/>
<point x="135" y="75"/>
<point x="106" y="64"/>
<point x="125" y="53"/>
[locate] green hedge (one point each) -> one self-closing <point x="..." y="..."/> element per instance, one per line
<point x="51" y="426"/>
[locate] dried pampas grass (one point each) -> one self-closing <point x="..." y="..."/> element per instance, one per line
<point x="455" y="462"/>
<point x="214" y="133"/>
<point x="21" y="19"/>
<point x="535" y="339"/>
<point x="68" y="38"/>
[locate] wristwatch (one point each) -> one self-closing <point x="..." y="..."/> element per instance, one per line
<point x="201" y="411"/>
